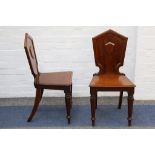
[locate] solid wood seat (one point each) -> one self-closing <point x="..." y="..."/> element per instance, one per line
<point x="111" y="81"/>
<point x="109" y="52"/>
<point x="54" y="80"/>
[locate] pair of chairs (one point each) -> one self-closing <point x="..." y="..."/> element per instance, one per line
<point x="109" y="52"/>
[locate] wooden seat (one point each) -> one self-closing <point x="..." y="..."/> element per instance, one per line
<point x="109" y="52"/>
<point x="111" y="81"/>
<point x="54" y="80"/>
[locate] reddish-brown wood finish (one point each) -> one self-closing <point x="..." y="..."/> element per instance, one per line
<point x="109" y="52"/>
<point x="54" y="80"/>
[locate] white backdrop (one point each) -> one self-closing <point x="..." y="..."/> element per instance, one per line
<point x="65" y="48"/>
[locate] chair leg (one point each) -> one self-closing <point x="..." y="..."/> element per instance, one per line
<point x="71" y="98"/>
<point x="68" y="105"/>
<point x="39" y="93"/>
<point x="120" y="100"/>
<point x="42" y="91"/>
<point x="96" y="100"/>
<point x="130" y="107"/>
<point x="93" y="107"/>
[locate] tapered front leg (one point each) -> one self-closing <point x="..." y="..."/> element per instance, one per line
<point x="39" y="93"/>
<point x="96" y="99"/>
<point x="130" y="107"/>
<point x="68" y="105"/>
<point x="120" y="100"/>
<point x="93" y="106"/>
<point x="71" y="98"/>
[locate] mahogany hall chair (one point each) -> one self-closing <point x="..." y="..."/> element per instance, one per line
<point x="109" y="52"/>
<point x="54" y="80"/>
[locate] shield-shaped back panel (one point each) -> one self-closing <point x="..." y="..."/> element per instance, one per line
<point x="109" y="51"/>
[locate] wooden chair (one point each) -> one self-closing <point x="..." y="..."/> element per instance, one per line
<point x="109" y="52"/>
<point x="55" y="80"/>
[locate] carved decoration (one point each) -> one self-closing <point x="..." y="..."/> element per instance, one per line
<point x="109" y="51"/>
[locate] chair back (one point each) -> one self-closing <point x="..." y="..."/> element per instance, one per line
<point x="109" y="51"/>
<point x="31" y="54"/>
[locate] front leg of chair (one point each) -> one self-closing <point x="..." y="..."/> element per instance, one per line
<point x="130" y="106"/>
<point x="71" y="98"/>
<point x="96" y="99"/>
<point x="93" y="106"/>
<point x="120" y="100"/>
<point x="39" y="93"/>
<point x="68" y="105"/>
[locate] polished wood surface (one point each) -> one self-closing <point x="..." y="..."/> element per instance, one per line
<point x="111" y="80"/>
<point x="109" y="52"/>
<point x="31" y="54"/>
<point x="53" y="80"/>
<point x="59" y="79"/>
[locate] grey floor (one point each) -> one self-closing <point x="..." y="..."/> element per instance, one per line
<point x="61" y="101"/>
<point x="52" y="112"/>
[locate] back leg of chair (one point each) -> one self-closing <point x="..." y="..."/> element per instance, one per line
<point x="42" y="91"/>
<point x="68" y="100"/>
<point x="120" y="100"/>
<point x="39" y="93"/>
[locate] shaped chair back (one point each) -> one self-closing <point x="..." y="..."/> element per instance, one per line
<point x="109" y="51"/>
<point x="31" y="54"/>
